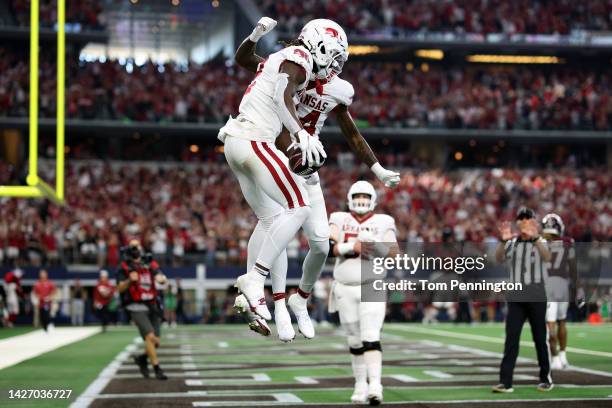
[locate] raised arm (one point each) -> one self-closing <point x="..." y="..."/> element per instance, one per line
<point x="362" y="149"/>
<point x="245" y="54"/>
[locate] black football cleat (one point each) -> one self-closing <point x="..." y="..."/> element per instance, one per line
<point x="159" y="373"/>
<point x="545" y="387"/>
<point x="141" y="362"/>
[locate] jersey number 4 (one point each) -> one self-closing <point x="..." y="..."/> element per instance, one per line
<point x="310" y="122"/>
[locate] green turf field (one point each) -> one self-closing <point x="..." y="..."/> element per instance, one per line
<point x="440" y="362"/>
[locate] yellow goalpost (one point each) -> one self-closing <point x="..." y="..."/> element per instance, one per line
<point x="36" y="187"/>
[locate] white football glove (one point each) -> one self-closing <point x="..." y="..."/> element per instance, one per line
<point x="263" y="27"/>
<point x="310" y="146"/>
<point x="388" y="177"/>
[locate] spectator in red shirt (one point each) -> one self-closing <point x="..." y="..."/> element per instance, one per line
<point x="103" y="294"/>
<point x="43" y="294"/>
<point x="13" y="290"/>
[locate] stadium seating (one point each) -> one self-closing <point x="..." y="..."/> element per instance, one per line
<point x="397" y="17"/>
<point x="388" y="94"/>
<point x="182" y="210"/>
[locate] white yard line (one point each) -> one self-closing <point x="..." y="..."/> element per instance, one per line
<point x="403" y="378"/>
<point x="95" y="388"/>
<point x="16" y="349"/>
<point x="487" y="339"/>
<point x="287" y="398"/>
<point x="306" y="380"/>
<point x="438" y="374"/>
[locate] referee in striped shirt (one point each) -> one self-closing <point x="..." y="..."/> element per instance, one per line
<point x="525" y="255"/>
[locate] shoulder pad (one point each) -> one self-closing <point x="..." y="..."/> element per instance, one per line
<point x="341" y="90"/>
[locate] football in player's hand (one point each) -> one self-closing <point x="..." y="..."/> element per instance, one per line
<point x="295" y="162"/>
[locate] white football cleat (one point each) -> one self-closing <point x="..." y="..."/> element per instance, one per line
<point x="556" y="364"/>
<point x="563" y="360"/>
<point x="253" y="290"/>
<point x="256" y="323"/>
<point x="299" y="307"/>
<point x="375" y="394"/>
<point x="360" y="394"/>
<point x="285" y="330"/>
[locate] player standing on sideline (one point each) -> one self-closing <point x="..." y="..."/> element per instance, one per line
<point x="103" y="294"/>
<point x="525" y="255"/>
<point x="136" y="282"/>
<point x="561" y="284"/>
<point x="362" y="321"/>
<point x="321" y="97"/>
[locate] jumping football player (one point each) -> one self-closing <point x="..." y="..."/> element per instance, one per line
<point x="261" y="169"/>
<point x="561" y="284"/>
<point x="352" y="233"/>
<point x="321" y="97"/>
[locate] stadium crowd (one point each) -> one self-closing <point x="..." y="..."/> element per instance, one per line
<point x="85" y="13"/>
<point x="397" y="17"/>
<point x="386" y="95"/>
<point x="196" y="210"/>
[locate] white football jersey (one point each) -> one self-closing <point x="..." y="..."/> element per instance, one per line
<point x="315" y="107"/>
<point x="258" y="119"/>
<point x="347" y="270"/>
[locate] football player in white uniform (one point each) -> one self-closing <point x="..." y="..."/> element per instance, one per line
<point x="561" y="285"/>
<point x="362" y="321"/>
<point x="271" y="189"/>
<point x="321" y="96"/>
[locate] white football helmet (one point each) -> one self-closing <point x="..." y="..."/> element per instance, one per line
<point x="328" y="45"/>
<point x="553" y="224"/>
<point x="361" y="205"/>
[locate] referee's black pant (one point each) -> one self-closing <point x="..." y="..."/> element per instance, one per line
<point x="518" y="312"/>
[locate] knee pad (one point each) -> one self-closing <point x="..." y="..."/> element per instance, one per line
<point x="372" y="345"/>
<point x="319" y="247"/>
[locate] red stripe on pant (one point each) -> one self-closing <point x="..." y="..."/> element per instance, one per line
<point x="272" y="171"/>
<point x="280" y="163"/>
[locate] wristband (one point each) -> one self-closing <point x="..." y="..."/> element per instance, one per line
<point x="345" y="248"/>
<point x="377" y="169"/>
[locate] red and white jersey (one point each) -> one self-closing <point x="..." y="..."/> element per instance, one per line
<point x="347" y="270"/>
<point x="316" y="103"/>
<point x="258" y="119"/>
<point x="563" y="252"/>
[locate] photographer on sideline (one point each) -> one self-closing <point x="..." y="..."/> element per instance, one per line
<point x="136" y="281"/>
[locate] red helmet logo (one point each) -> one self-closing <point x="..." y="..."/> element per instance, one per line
<point x="333" y="32"/>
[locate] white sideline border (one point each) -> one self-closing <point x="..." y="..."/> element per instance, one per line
<point x="16" y="349"/>
<point x="92" y="392"/>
